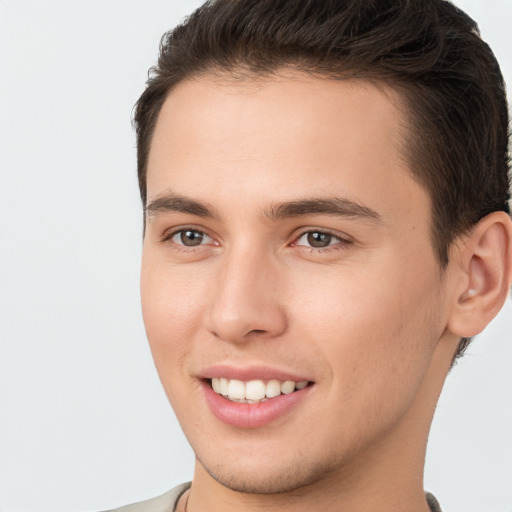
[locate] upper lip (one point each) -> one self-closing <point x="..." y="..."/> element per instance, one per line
<point x="252" y="372"/>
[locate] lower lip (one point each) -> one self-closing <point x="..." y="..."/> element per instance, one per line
<point x="251" y="415"/>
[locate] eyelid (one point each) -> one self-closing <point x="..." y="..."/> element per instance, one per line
<point x="342" y="237"/>
<point x="170" y="233"/>
<point x="205" y="238"/>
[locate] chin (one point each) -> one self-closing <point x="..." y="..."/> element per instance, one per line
<point x="269" y="477"/>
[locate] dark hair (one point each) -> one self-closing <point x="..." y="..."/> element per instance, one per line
<point x="428" y="50"/>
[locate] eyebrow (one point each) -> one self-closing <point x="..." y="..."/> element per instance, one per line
<point x="180" y="204"/>
<point x="334" y="206"/>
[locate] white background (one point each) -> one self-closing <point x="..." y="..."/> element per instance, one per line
<point x="84" y="424"/>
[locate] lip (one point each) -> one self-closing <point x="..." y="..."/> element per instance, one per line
<point x="252" y="372"/>
<point x="250" y="416"/>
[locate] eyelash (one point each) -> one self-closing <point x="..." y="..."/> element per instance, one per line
<point x="168" y="237"/>
<point x="340" y="242"/>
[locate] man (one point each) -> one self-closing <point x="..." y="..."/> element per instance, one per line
<point x="325" y="187"/>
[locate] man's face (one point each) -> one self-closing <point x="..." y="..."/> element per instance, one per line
<point x="287" y="241"/>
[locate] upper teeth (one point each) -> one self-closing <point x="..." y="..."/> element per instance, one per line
<point x="254" y="390"/>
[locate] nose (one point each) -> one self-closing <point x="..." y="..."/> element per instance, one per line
<point x="246" y="300"/>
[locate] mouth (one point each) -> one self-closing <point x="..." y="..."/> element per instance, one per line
<point x="254" y="391"/>
<point x="254" y="398"/>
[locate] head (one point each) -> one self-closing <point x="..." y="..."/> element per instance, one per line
<point x="286" y="107"/>
<point x="430" y="52"/>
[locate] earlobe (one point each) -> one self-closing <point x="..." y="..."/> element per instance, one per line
<point x="486" y="263"/>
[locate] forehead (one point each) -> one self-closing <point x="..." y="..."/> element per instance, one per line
<point x="280" y="137"/>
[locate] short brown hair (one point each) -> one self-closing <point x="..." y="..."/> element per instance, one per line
<point x="428" y="50"/>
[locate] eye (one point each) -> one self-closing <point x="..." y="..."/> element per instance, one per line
<point x="319" y="239"/>
<point x="190" y="237"/>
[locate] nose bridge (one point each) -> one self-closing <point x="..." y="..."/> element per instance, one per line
<point x="245" y="300"/>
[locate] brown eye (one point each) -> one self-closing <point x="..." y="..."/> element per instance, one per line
<point x="321" y="240"/>
<point x="317" y="239"/>
<point x="190" y="237"/>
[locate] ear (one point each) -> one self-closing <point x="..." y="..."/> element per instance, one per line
<point x="485" y="264"/>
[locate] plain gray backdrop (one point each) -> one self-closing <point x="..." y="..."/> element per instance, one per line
<point x="84" y="424"/>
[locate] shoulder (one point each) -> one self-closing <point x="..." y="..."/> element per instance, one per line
<point x="163" y="503"/>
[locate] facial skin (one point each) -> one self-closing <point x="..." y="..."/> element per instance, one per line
<point x="363" y="319"/>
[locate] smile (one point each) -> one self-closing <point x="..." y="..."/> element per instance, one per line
<point x="254" y="391"/>
<point x="252" y="398"/>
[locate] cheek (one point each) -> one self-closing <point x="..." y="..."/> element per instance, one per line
<point x="375" y="328"/>
<point x="171" y="308"/>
